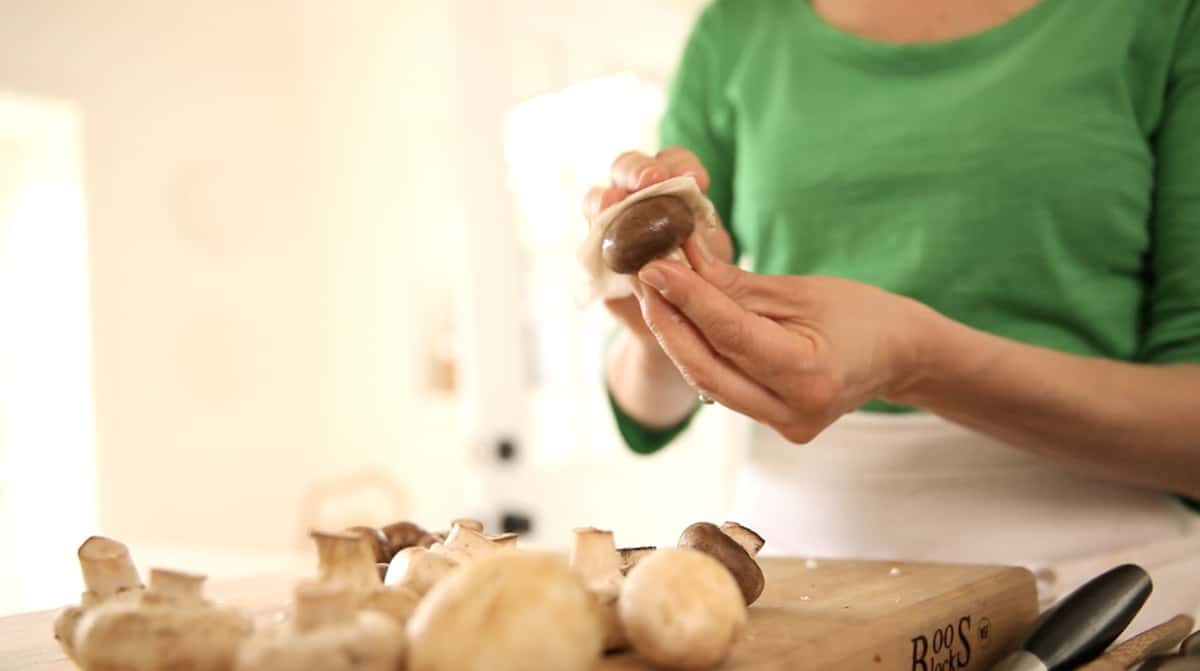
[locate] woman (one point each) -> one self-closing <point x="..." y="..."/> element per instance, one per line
<point x="975" y="235"/>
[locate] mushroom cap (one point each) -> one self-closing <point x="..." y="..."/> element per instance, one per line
<point x="376" y="539"/>
<point x="405" y="534"/>
<point x="746" y="537"/>
<point x="709" y="539"/>
<point x="418" y="569"/>
<point x="681" y="609"/>
<point x="138" y="637"/>
<point x="327" y="635"/>
<point x="511" y="610"/>
<point x="65" y="624"/>
<point x="646" y="230"/>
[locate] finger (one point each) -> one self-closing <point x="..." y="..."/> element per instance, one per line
<point x="600" y="198"/>
<point x="746" y="289"/>
<point x="755" y="344"/>
<point x="704" y="370"/>
<point x="634" y="170"/>
<point x="680" y="161"/>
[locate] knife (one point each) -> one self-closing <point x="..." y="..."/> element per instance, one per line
<point x="1084" y="623"/>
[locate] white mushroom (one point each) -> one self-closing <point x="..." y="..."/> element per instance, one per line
<point x="328" y="633"/>
<point x="418" y="569"/>
<point x="108" y="574"/>
<point x="349" y="560"/>
<point x="171" y="627"/>
<point x="512" y="610"/>
<point x="681" y="609"/>
<point x="595" y="558"/>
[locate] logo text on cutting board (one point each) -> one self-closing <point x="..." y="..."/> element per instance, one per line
<point x="947" y="648"/>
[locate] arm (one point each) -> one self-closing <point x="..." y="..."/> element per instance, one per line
<point x="1132" y="422"/>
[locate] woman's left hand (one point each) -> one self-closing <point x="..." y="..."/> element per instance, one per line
<point x="793" y="352"/>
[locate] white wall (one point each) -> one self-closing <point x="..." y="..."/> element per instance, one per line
<point x="276" y="218"/>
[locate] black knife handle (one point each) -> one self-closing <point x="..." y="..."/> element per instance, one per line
<point x="1087" y="620"/>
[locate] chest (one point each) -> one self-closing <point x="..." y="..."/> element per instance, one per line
<point x="916" y="21"/>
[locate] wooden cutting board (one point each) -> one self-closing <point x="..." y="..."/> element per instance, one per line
<point x="828" y="614"/>
<point x="872" y="616"/>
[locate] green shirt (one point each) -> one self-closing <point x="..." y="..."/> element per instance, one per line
<point x="1039" y="180"/>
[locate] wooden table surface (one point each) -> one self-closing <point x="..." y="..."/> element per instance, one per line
<point x="812" y="615"/>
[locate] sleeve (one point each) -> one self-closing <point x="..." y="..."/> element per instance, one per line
<point x="1172" y="333"/>
<point x="696" y="117"/>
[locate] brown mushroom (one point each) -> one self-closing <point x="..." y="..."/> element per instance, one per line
<point x="681" y="609"/>
<point x="405" y="534"/>
<point x="646" y="230"/>
<point x="418" y="569"/>
<point x="377" y="540"/>
<point x="712" y="540"/>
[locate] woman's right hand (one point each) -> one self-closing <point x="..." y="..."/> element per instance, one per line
<point x="634" y="171"/>
<point x="642" y="378"/>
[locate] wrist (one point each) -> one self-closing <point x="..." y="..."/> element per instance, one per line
<point x="936" y="353"/>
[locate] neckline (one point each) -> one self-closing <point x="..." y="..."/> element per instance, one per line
<point x="956" y="48"/>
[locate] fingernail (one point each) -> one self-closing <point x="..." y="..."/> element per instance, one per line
<point x="654" y="277"/>
<point x="651" y="175"/>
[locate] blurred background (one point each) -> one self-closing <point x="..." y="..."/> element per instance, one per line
<point x="288" y="264"/>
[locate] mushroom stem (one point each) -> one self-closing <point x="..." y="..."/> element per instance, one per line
<point x="467" y="523"/>
<point x="175" y="587"/>
<point x="346" y="558"/>
<point x="750" y="541"/>
<point x="107" y="569"/>
<point x="319" y="605"/>
<point x="466" y="543"/>
<point x="631" y="556"/>
<point x="507" y="540"/>
<point x="594" y="556"/>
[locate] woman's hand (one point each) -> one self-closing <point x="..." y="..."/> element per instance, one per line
<point x="634" y="171"/>
<point x="640" y="377"/>
<point x="792" y="352"/>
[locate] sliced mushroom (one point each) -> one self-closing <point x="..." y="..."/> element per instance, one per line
<point x="712" y="540"/>
<point x="108" y="574"/>
<point x="631" y="556"/>
<point x="646" y="230"/>
<point x="512" y="610"/>
<point x="681" y="609"/>
<point x="172" y="626"/>
<point x="594" y="557"/>
<point x="328" y="633"/>
<point x="377" y="540"/>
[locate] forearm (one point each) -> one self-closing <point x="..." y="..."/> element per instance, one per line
<point x="1135" y="423"/>
<point x="646" y="385"/>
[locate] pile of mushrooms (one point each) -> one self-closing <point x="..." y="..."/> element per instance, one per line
<point x="400" y="597"/>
